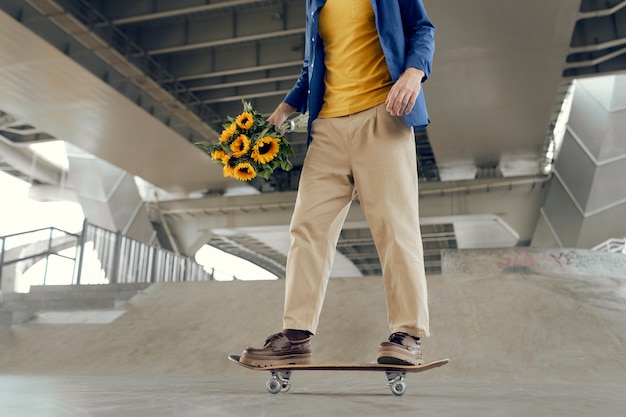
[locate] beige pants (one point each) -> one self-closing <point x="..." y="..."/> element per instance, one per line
<point x="370" y="154"/>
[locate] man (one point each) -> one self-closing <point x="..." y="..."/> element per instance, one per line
<point x="361" y="80"/>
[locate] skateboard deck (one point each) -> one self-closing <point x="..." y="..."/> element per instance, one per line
<point x="280" y="380"/>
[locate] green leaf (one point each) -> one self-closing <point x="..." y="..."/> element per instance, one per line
<point x="286" y="165"/>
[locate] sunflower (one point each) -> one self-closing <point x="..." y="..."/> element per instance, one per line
<point x="240" y="146"/>
<point x="244" y="171"/>
<point x="265" y="149"/>
<point x="228" y="131"/>
<point x="245" y="120"/>
<point x="218" y="155"/>
<point x="227" y="170"/>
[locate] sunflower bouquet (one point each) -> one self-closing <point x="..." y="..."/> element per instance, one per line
<point x="250" y="146"/>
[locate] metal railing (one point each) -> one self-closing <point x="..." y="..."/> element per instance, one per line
<point x="125" y="260"/>
<point x="118" y="258"/>
<point x="613" y="245"/>
<point x="34" y="245"/>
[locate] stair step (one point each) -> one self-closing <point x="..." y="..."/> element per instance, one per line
<point x="87" y="288"/>
<point x="51" y="305"/>
<point x="70" y="298"/>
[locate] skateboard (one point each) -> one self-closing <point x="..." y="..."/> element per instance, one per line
<point x="280" y="381"/>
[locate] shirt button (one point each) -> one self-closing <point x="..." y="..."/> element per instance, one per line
<point x="312" y="39"/>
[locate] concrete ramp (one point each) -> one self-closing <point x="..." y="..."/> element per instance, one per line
<point x="496" y="328"/>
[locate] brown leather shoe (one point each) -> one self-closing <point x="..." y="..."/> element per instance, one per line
<point x="401" y="349"/>
<point x="278" y="350"/>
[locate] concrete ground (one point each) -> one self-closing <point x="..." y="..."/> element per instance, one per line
<point x="519" y="345"/>
<point x="245" y="395"/>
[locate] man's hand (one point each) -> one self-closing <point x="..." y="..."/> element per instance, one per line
<point x="404" y="92"/>
<point x="282" y="112"/>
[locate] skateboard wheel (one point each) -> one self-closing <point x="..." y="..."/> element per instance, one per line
<point x="274" y="386"/>
<point x="398" y="388"/>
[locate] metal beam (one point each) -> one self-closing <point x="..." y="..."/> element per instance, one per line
<point x="605" y="12"/>
<point x="246" y="96"/>
<point x="236" y="71"/>
<point x="227" y="41"/>
<point x="508" y="198"/>
<point x="598" y="46"/>
<point x="27" y="162"/>
<point x="191" y="10"/>
<point x="597" y="61"/>
<point x="235" y="84"/>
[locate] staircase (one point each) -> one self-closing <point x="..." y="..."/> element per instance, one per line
<point x="71" y="300"/>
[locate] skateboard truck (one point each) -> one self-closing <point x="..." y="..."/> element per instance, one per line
<point x="395" y="380"/>
<point x="279" y="382"/>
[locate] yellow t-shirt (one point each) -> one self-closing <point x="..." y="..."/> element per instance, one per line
<point x="357" y="76"/>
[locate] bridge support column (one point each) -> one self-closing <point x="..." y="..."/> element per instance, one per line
<point x="586" y="203"/>
<point x="109" y="196"/>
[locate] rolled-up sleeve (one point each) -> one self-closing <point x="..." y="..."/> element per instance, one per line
<point x="419" y="34"/>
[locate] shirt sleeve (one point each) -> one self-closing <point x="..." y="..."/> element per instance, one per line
<point x="298" y="96"/>
<point x="419" y="32"/>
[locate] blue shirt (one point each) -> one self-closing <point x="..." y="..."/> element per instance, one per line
<point x="406" y="36"/>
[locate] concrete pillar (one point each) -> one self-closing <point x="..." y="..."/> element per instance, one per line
<point x="586" y="202"/>
<point x="109" y="196"/>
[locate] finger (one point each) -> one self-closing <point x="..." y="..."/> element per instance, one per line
<point x="276" y="119"/>
<point x="402" y="102"/>
<point x="391" y="101"/>
<point x="410" y="105"/>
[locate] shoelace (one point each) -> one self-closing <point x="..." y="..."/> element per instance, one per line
<point x="273" y="338"/>
<point x="399" y="336"/>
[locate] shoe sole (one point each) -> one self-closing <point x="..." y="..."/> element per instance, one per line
<point x="392" y="355"/>
<point x="267" y="361"/>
